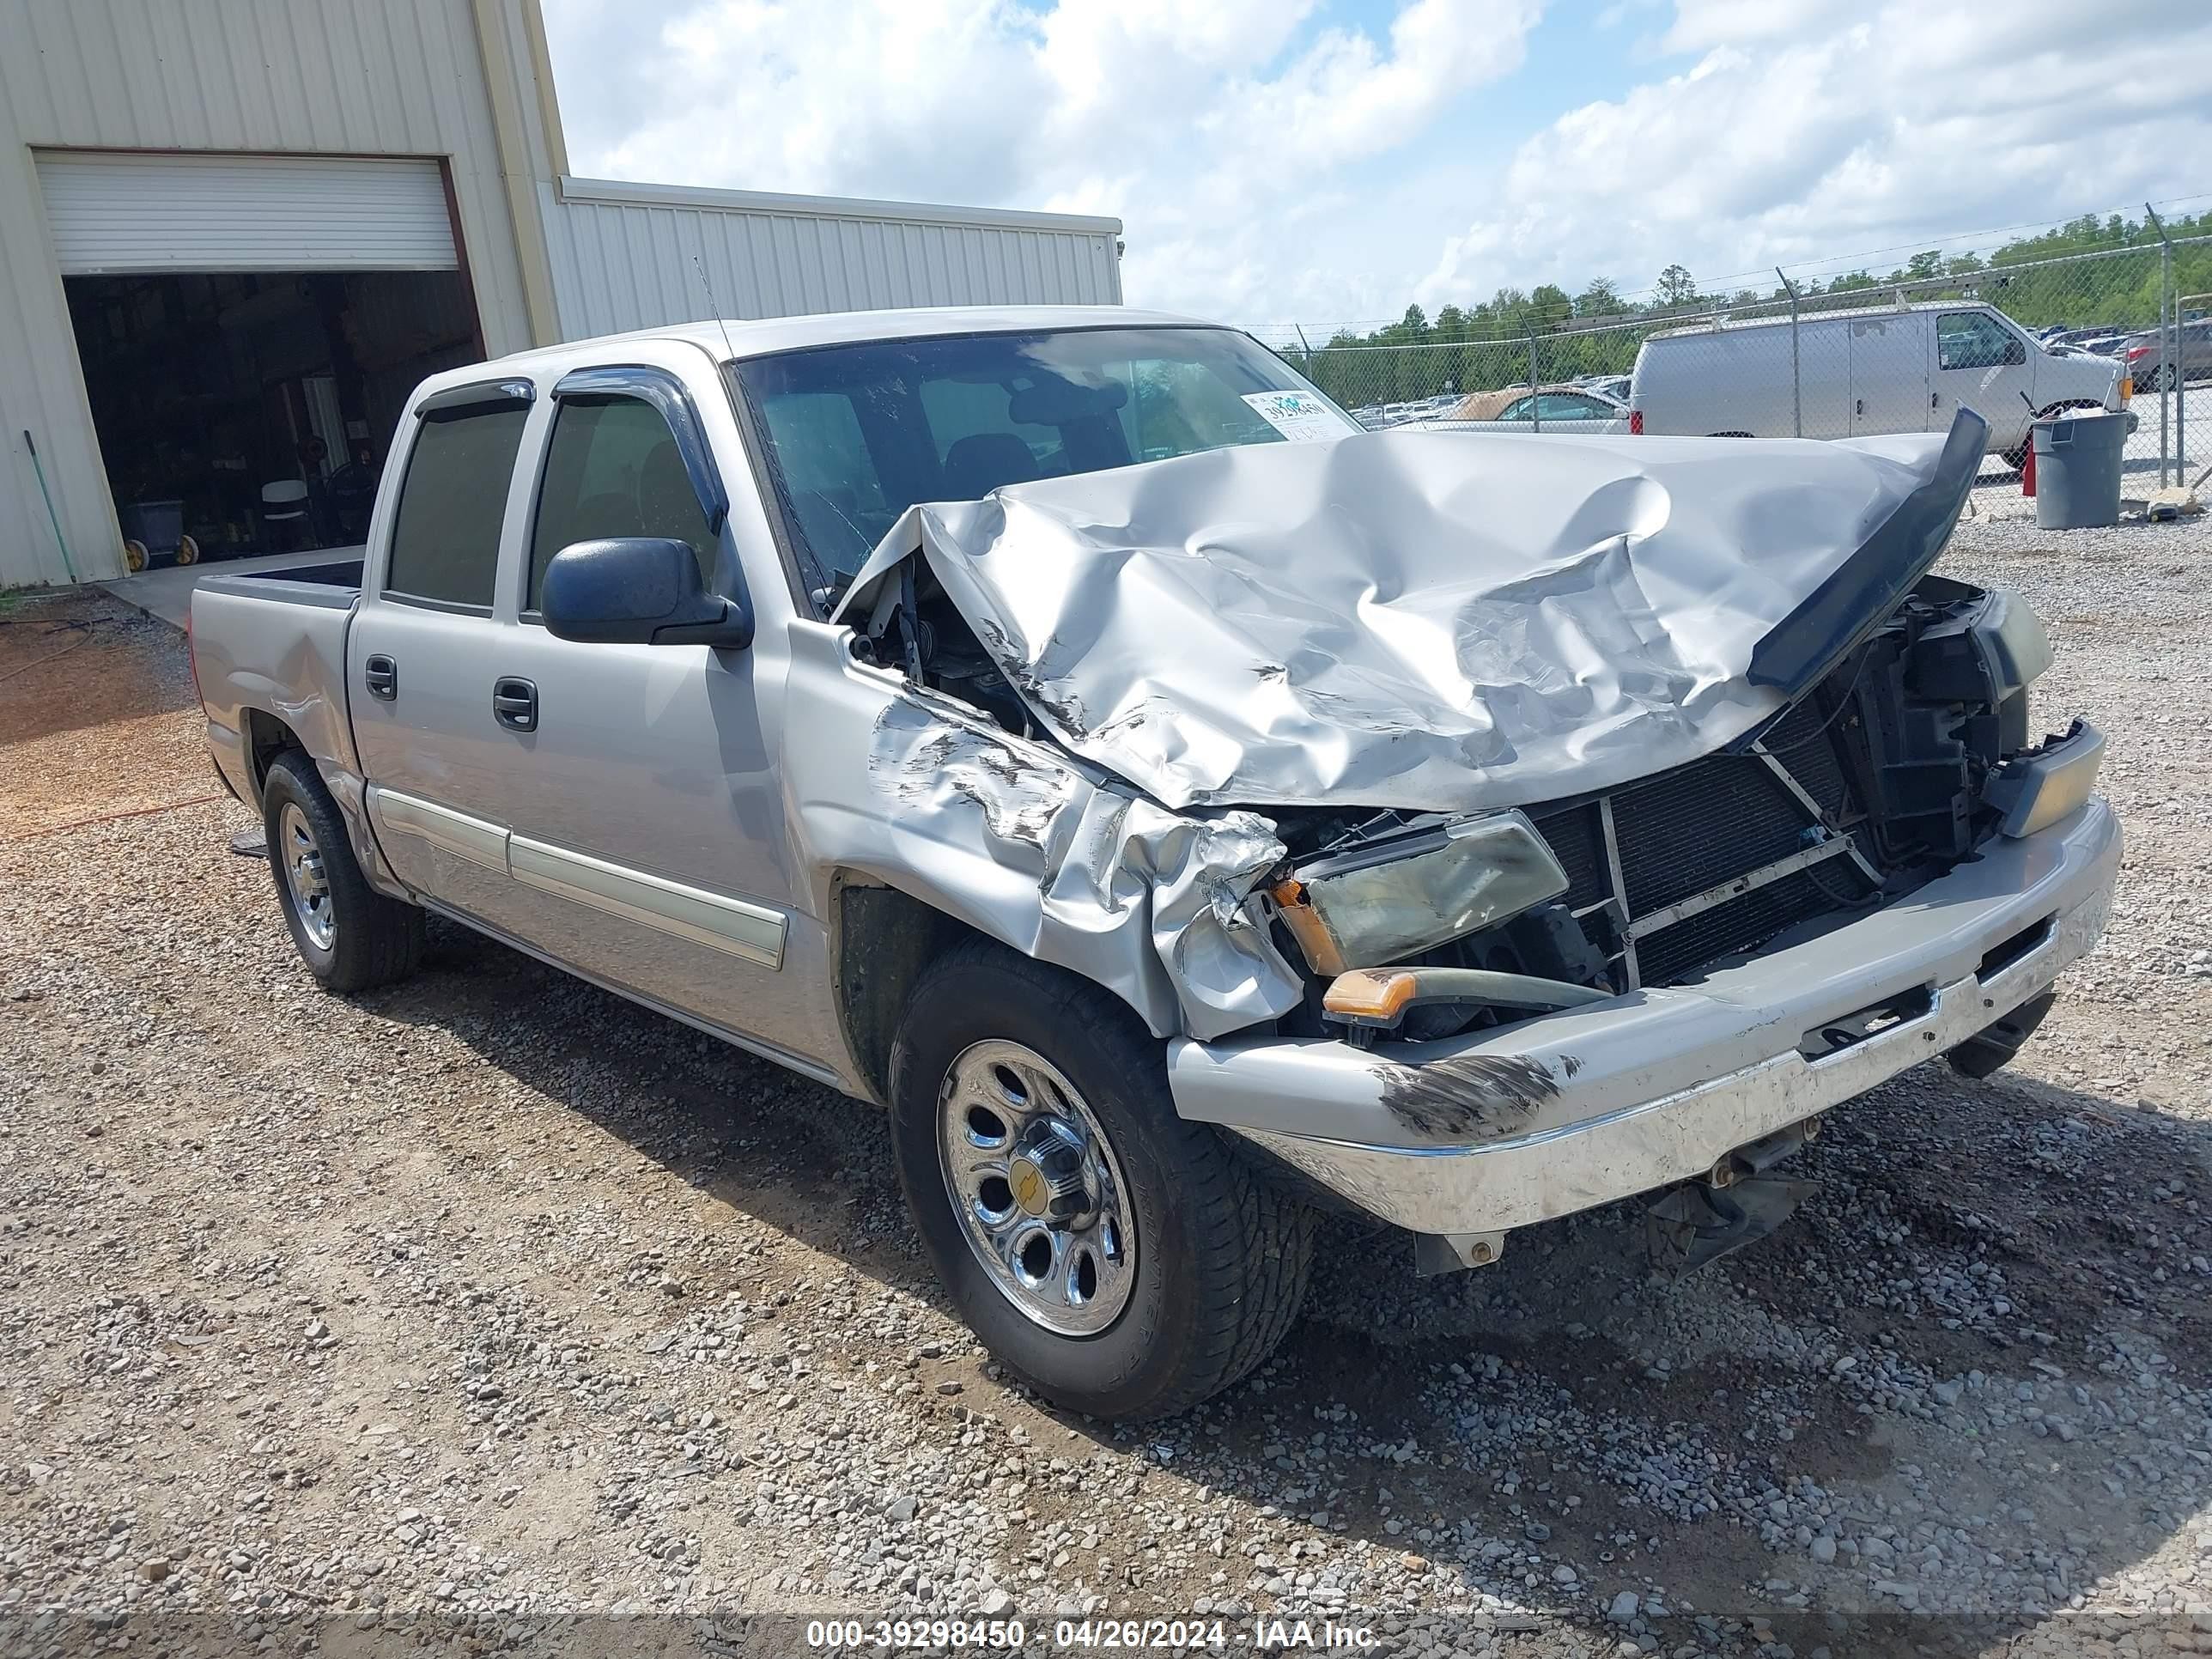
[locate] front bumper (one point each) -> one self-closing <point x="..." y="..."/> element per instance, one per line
<point x="1577" y="1109"/>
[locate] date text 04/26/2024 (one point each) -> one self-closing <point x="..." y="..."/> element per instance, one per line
<point x="1212" y="1635"/>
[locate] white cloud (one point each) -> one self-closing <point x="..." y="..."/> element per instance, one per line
<point x="1221" y="133"/>
<point x="1272" y="162"/>
<point x="1699" y="24"/>
<point x="1795" y="138"/>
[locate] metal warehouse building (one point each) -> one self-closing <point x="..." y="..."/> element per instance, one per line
<point x="234" y="234"/>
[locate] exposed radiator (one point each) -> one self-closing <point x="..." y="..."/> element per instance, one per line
<point x="1714" y="858"/>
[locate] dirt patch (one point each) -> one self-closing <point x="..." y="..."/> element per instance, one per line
<point x="97" y="714"/>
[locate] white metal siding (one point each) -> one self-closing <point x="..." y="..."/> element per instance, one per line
<point x="624" y="255"/>
<point x="213" y="212"/>
<point x="333" y="77"/>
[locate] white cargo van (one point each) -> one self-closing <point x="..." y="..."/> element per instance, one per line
<point x="1885" y="369"/>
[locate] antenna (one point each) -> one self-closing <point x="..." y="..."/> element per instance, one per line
<point x="699" y="265"/>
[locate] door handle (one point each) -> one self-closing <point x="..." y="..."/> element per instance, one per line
<point x="381" y="675"/>
<point x="1858" y="405"/>
<point x="1934" y="400"/>
<point x="515" y="704"/>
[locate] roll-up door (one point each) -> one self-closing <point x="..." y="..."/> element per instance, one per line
<point x="113" y="212"/>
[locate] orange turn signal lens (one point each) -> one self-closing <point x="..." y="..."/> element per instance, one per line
<point x="1378" y="993"/>
<point x="1311" y="931"/>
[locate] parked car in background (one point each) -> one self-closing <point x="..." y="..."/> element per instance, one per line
<point x="1161" y="898"/>
<point x="1565" y="408"/>
<point x="1614" y="386"/>
<point x="1878" y="369"/>
<point x="2144" y="357"/>
<point x="2081" y="336"/>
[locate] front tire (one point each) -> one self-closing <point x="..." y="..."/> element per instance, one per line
<point x="351" y="936"/>
<point x="1123" y="1262"/>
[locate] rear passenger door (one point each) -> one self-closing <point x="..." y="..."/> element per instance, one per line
<point x="417" y="688"/>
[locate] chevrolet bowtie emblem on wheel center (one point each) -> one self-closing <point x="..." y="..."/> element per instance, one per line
<point x="1032" y="1190"/>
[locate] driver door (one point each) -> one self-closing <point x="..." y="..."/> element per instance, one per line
<point x="1981" y="364"/>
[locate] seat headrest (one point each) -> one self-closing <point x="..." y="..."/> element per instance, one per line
<point x="978" y="463"/>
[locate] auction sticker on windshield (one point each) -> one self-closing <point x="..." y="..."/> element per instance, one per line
<point x="1298" y="415"/>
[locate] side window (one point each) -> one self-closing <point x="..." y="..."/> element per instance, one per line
<point x="1565" y="406"/>
<point x="1520" y="408"/>
<point x="828" y="474"/>
<point x="445" y="535"/>
<point x="612" y="469"/>
<point x="1972" y="340"/>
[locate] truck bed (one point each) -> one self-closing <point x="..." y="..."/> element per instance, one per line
<point x="272" y="648"/>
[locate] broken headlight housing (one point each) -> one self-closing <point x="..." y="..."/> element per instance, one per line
<point x="1390" y="898"/>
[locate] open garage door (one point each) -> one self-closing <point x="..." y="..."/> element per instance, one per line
<point x="115" y="213"/>
<point x="249" y="327"/>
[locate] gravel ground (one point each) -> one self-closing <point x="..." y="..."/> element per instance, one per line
<point x="475" y="1310"/>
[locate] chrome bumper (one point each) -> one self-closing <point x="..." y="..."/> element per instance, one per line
<point x="1580" y="1107"/>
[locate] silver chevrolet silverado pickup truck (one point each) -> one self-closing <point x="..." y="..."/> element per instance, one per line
<point x="1183" y="811"/>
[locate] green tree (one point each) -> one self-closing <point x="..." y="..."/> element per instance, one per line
<point x="1600" y="298"/>
<point x="1549" y="305"/>
<point x="1677" y="287"/>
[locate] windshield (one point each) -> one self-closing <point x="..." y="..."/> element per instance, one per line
<point x="858" y="434"/>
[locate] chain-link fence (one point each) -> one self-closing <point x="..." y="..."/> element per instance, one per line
<point x="2128" y="327"/>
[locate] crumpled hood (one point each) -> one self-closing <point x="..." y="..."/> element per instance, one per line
<point x="1424" y="620"/>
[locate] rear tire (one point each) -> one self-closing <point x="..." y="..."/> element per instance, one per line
<point x="1217" y="1256"/>
<point x="351" y="936"/>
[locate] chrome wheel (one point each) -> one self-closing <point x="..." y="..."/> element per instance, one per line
<point x="309" y="884"/>
<point x="1038" y="1190"/>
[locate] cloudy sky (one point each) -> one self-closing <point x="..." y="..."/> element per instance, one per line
<point x="1327" y="161"/>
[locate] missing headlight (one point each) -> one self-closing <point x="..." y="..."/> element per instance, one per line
<point x="1378" y="903"/>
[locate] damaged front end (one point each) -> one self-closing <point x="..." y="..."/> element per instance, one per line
<point x="1492" y="848"/>
<point x="1906" y="755"/>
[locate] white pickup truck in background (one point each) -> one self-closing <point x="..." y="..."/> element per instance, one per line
<point x="1463" y="830"/>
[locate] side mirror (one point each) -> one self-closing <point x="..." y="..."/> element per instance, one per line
<point x="638" y="590"/>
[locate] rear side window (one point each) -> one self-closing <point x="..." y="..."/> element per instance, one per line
<point x="445" y="536"/>
<point x="613" y="469"/>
